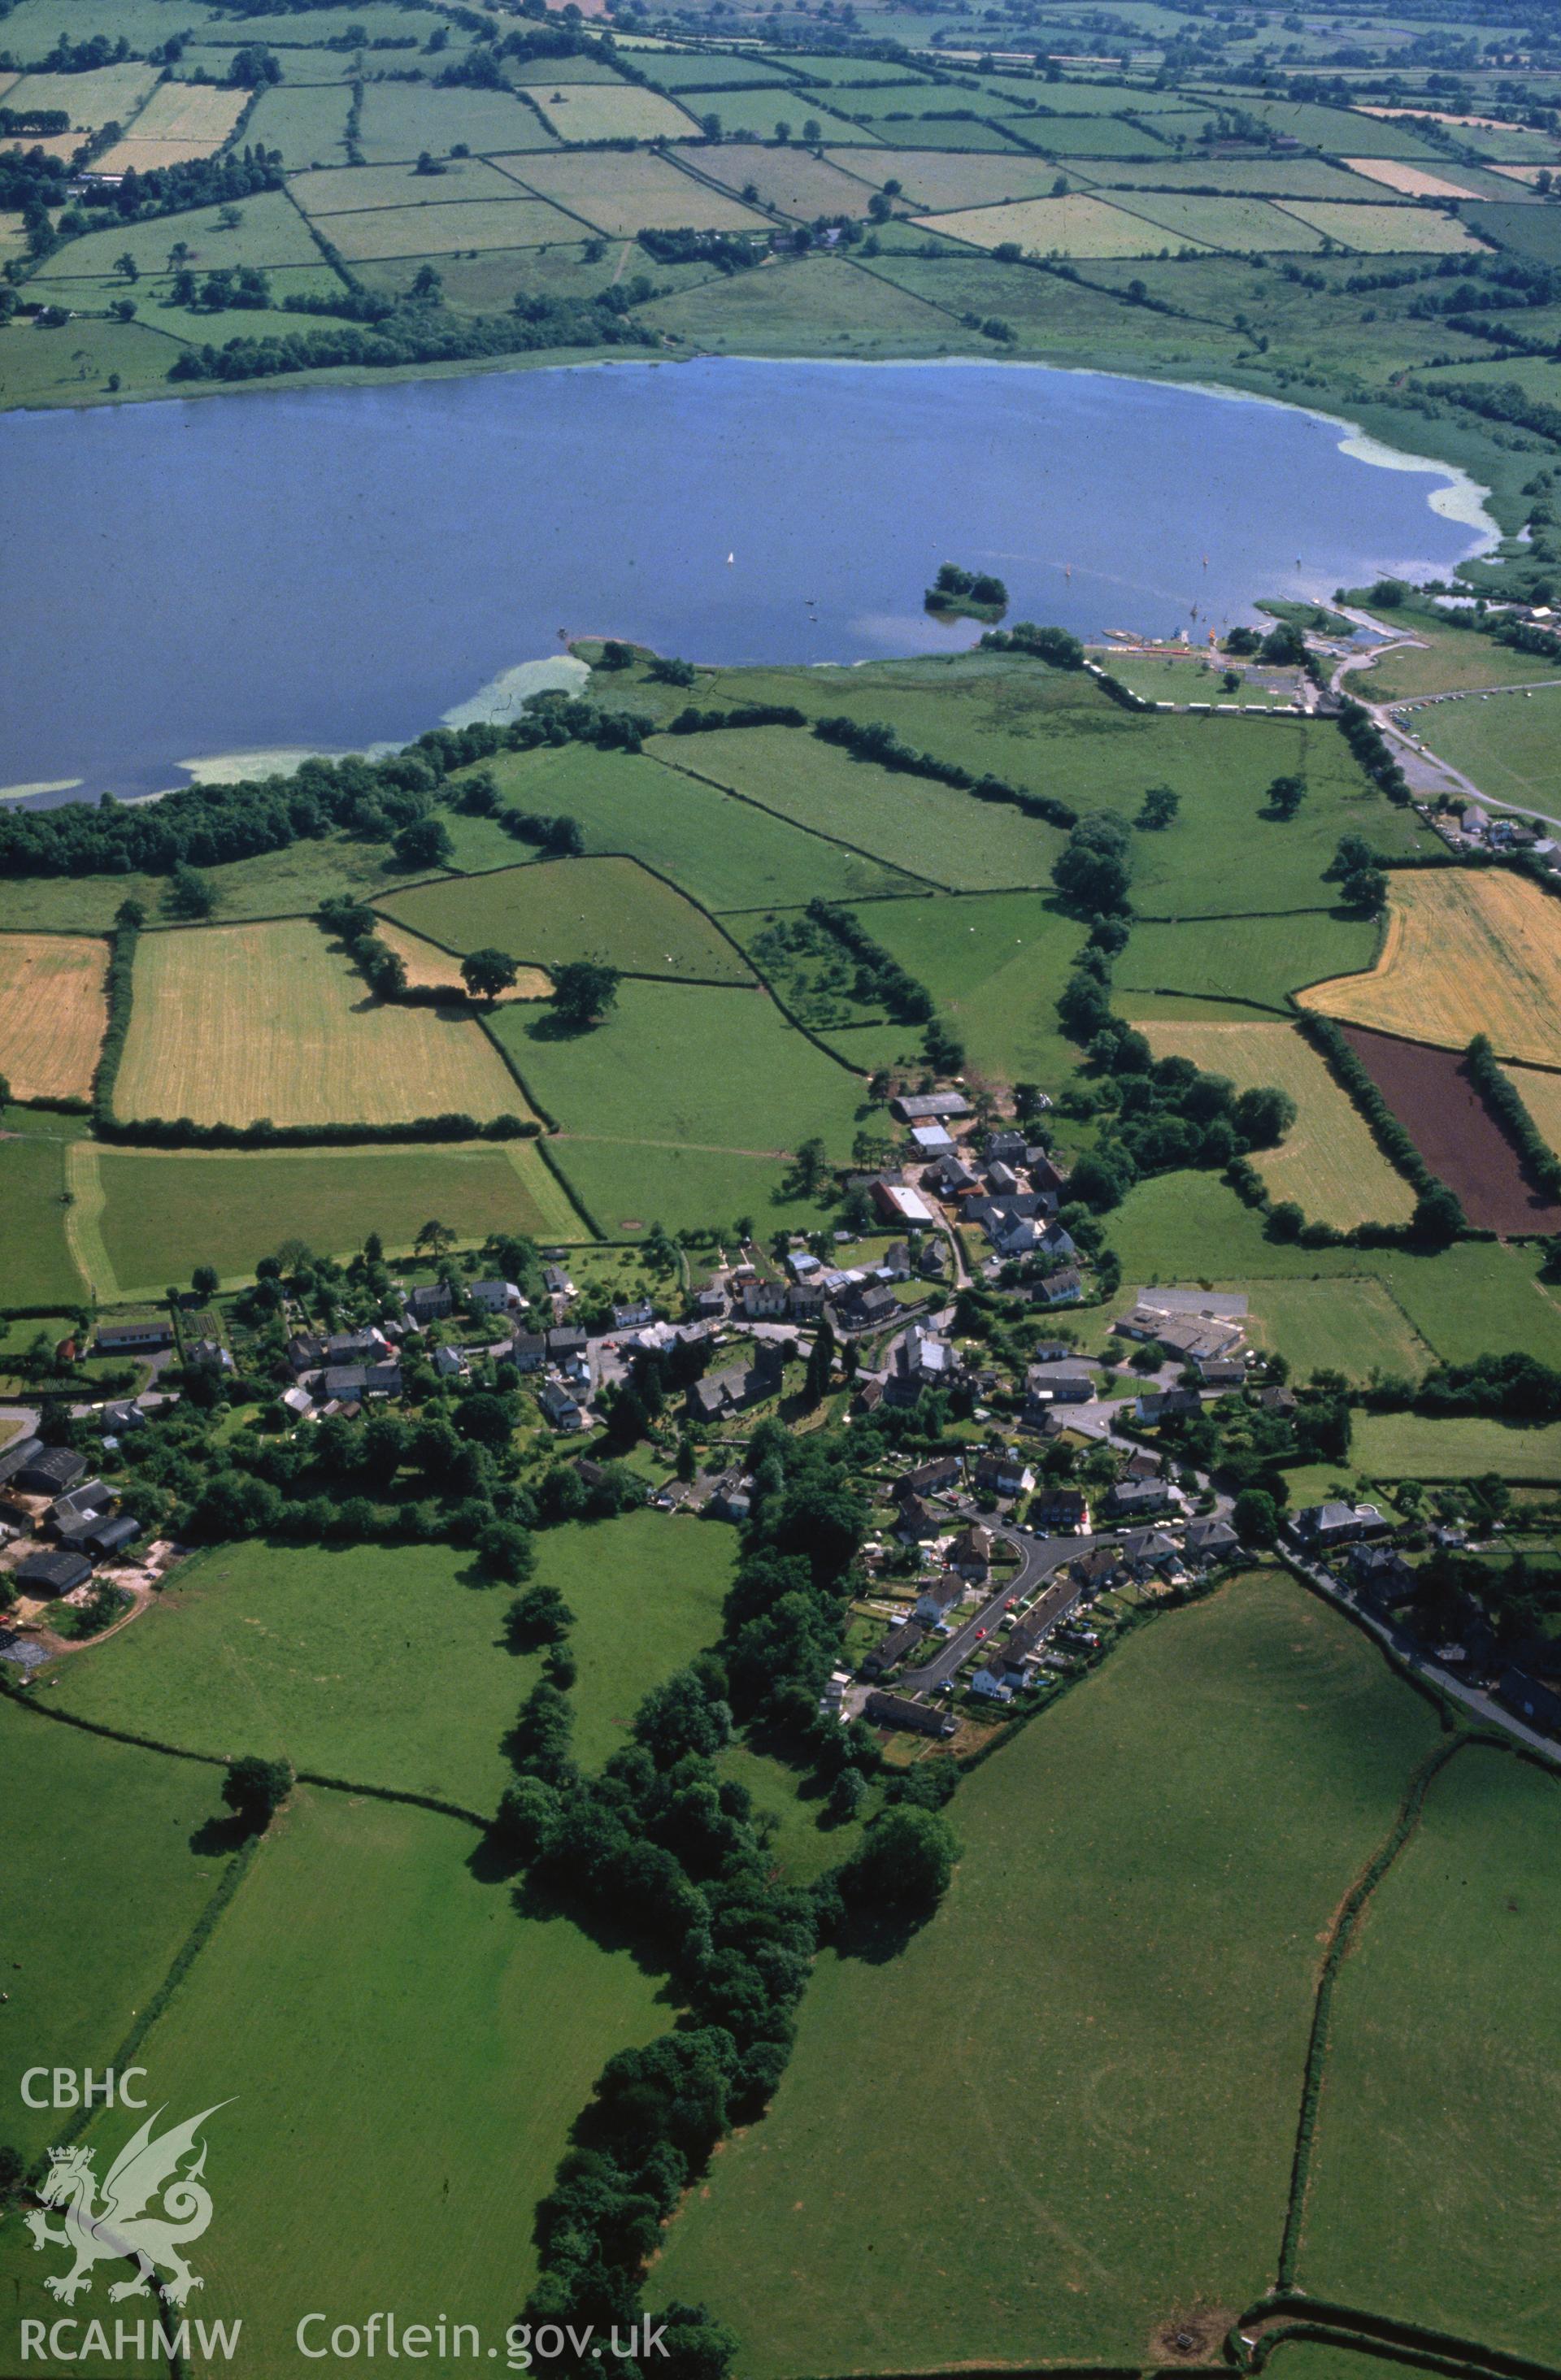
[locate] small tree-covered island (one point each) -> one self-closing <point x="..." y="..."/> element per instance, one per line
<point x="780" y="1437"/>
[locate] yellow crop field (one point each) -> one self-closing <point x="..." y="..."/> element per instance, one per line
<point x="1397" y="173"/>
<point x="1467" y="950"/>
<point x="1328" y="1162"/>
<point x="1541" y="1094"/>
<point x="232" y="1023"/>
<point x="52" y="1014"/>
<point x="430" y="969"/>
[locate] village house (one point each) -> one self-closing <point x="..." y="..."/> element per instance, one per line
<point x="1165" y="1405"/>
<point x="918" y="1521"/>
<point x="495" y="1296"/>
<point x="1133" y="1496"/>
<point x="1149" y="1552"/>
<point x="68" y="1514"/>
<point x="633" y="1315"/>
<point x="1536" y="1704"/>
<point x="922" y="1361"/>
<point x="132" y="1337"/>
<point x="1064" y="1287"/>
<point x="868" y="1304"/>
<point x="764" y="1300"/>
<point x="940" y="1471"/>
<point x="970" y="1554"/>
<point x="431" y="1301"/>
<point x="1046" y="1386"/>
<point x="738" y="1386"/>
<point x="1004" y="1144"/>
<point x="1319" y="1528"/>
<point x="951" y="1178"/>
<point x="1209" y="1540"/>
<point x="1060" y="1511"/>
<point x="449" y="1364"/>
<point x="936" y="1604"/>
<point x="527" y="1351"/>
<point x="560" y="1405"/>
<point x="900" y="1206"/>
<point x="1003" y="1474"/>
<point x="896" y="1646"/>
<point x="884" y="1709"/>
<point x="1380" y="1575"/>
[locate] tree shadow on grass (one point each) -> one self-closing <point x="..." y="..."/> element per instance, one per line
<point x="877" y="1936"/>
<point x="220" y="1838"/>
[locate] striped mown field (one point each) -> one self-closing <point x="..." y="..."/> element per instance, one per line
<point x="52" y="1014"/>
<point x="231" y="1023"/>
<point x="1467" y="950"/>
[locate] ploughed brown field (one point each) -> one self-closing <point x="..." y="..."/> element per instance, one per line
<point x="1430" y="1092"/>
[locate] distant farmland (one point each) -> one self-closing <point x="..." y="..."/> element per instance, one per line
<point x="1467" y="950"/>
<point x="52" y="1014"/>
<point x="233" y="1022"/>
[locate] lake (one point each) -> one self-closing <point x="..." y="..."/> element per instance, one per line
<point x="336" y="567"/>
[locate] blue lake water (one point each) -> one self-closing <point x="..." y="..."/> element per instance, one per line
<point x="341" y="566"/>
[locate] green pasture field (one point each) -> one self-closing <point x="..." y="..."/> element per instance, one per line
<point x="272" y="232"/>
<point x="102" y="96"/>
<point x="33" y="26"/>
<point x="489" y="282"/>
<point x="1349" y="1325"/>
<point x="559" y="73"/>
<point x="932" y="131"/>
<point x="1067" y="137"/>
<point x="304" y="68"/>
<point x="101" y="1886"/>
<point x="590" y="111"/>
<point x="307" y="122"/>
<point x="401" y="119"/>
<point x="627" y="1186"/>
<point x="1478" y="1297"/>
<point x="1113" y="2116"/>
<point x="683" y="1065"/>
<point x="1342" y="132"/>
<point x="1078" y="225"/>
<point x="1232" y="222"/>
<point x="608" y="909"/>
<point x="147" y="1215"/>
<point x="66" y="366"/>
<point x="911" y="822"/>
<point x="1449" y="661"/>
<point x="1384" y="230"/>
<point x="704" y="72"/>
<point x="1527" y="230"/>
<point x="726" y="853"/>
<point x="237" y="1022"/>
<point x="383" y="2146"/>
<point x="819" y="305"/>
<point x="1061" y="320"/>
<point x="1509" y="745"/>
<point x="793" y="181"/>
<point x="931" y="178"/>
<point x="1416" y="1446"/>
<point x="1262" y="177"/>
<point x="1441" y="2095"/>
<point x="754" y="114"/>
<point x="510" y="223"/>
<point x="344" y="189"/>
<point x="289" y="30"/>
<point x="1191" y="1227"/>
<point x="623" y="192"/>
<point x="275" y="884"/>
<point x="37" y="1265"/>
<point x="388" y="1665"/>
<point x="156" y="311"/>
<point x="995" y="965"/>
<point x="805" y="1842"/>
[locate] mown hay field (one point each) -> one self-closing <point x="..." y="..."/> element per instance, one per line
<point x="1386" y="230"/>
<point x="1118" y="2063"/>
<point x="307" y="123"/>
<point x="590" y="111"/>
<point x="1233" y="221"/>
<point x="190" y="110"/>
<point x="995" y="965"/>
<point x="272" y="233"/>
<point x="1467" y="950"/>
<point x="273" y="884"/>
<point x="230" y="1024"/>
<point x="144" y="1215"/>
<point x="379" y="232"/>
<point x="117" y="1822"/>
<point x="52" y="1014"/>
<point x="1351" y="1325"/>
<point x="1076" y="225"/>
<point x="1432" y="2193"/>
<point x="607" y="909"/>
<point x="629" y="191"/>
<point x="929" y="830"/>
<point x="1541" y="1094"/>
<point x="388" y="1665"/>
<point x="489" y="2037"/>
<point x="1328" y="1163"/>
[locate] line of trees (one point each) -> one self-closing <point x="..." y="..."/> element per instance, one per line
<point x="1439" y="1215"/>
<point x="1370" y="746"/>
<point x="414" y="334"/>
<point x="1502" y="1097"/>
<point x="874" y="739"/>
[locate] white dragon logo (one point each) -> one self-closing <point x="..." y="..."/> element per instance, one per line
<point x="144" y="2170"/>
